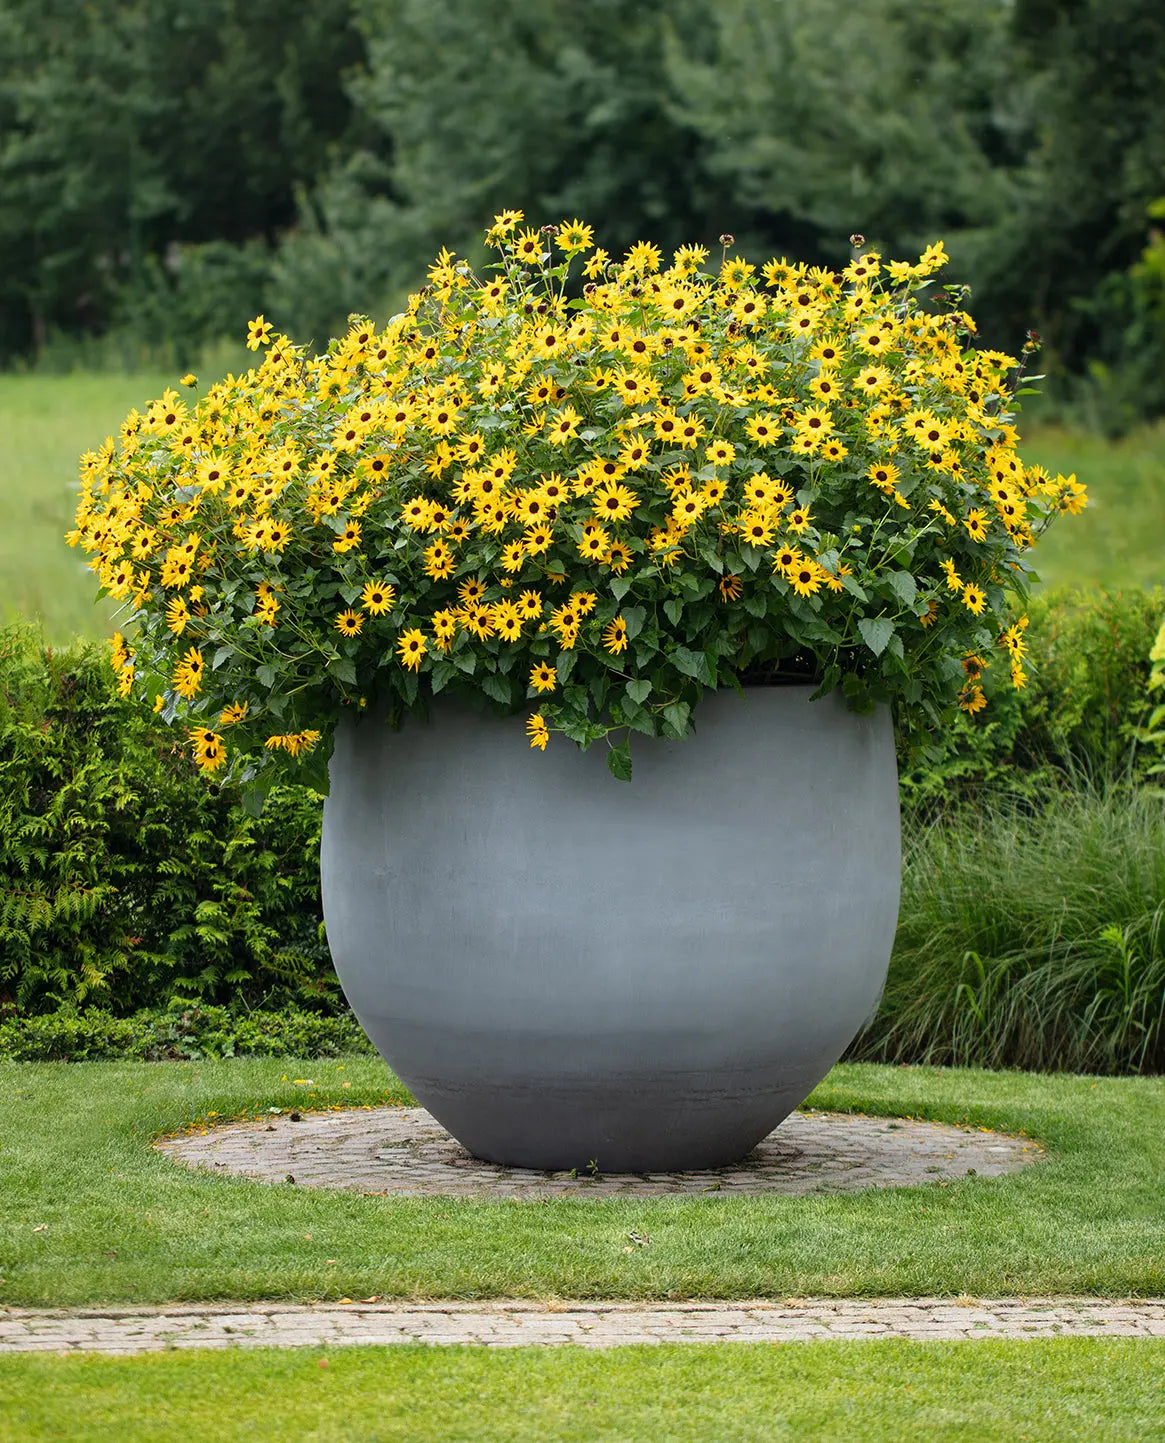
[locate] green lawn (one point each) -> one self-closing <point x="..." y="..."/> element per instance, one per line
<point x="1119" y="540"/>
<point x="1047" y="1391"/>
<point x="89" y="1213"/>
<point x="47" y="421"/>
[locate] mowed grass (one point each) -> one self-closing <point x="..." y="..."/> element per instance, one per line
<point x="1119" y="540"/>
<point x="1041" y="1390"/>
<point x="90" y="1213"/>
<point x="47" y="421"/>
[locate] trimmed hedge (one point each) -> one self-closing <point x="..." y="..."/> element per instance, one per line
<point x="125" y="879"/>
<point x="93" y="1035"/>
<point x="1086" y="698"/>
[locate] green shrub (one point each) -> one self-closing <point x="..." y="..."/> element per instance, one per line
<point x="93" y="1035"/>
<point x="125" y="879"/>
<point x="1031" y="938"/>
<point x="1080" y="712"/>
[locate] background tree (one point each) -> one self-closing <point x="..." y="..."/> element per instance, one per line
<point x="131" y="126"/>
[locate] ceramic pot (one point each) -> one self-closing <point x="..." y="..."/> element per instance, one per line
<point x="572" y="971"/>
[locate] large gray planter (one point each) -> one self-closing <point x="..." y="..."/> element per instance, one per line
<point x="571" y="971"/>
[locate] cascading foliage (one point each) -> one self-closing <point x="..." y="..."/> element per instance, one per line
<point x="585" y="498"/>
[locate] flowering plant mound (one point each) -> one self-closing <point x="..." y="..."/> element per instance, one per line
<point x="589" y="506"/>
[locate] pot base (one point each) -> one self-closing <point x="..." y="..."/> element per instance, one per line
<point x="635" y="1128"/>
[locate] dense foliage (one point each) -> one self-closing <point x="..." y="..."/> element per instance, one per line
<point x="1031" y="936"/>
<point x="163" y="167"/>
<point x="92" y="1034"/>
<point x="124" y="878"/>
<point x="1083" y="713"/>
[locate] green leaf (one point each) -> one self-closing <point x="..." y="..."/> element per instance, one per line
<point x="634" y="616"/>
<point x="693" y="664"/>
<point x="343" y="670"/>
<point x="676" y="717"/>
<point x="253" y="794"/>
<point x="673" y="610"/>
<point x="496" y="686"/>
<point x="620" y="586"/>
<point x="876" y="633"/>
<point x="442" y="674"/>
<point x="565" y="665"/>
<point x="619" y="762"/>
<point x="903" y="586"/>
<point x="265" y="675"/>
<point x="639" y="690"/>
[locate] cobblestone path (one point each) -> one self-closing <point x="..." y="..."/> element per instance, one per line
<point x="595" y="1325"/>
<point x="404" y="1150"/>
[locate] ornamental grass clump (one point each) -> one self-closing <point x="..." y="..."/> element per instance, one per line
<point x="588" y="502"/>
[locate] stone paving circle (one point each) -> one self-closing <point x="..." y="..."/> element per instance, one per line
<point x="404" y="1151"/>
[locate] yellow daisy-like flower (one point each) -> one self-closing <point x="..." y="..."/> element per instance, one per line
<point x="613" y="502"/>
<point x="730" y="587"/>
<point x="187" y="678"/>
<point x="574" y="236"/>
<point x="507" y="621"/>
<point x="349" y="623"/>
<point x="412" y="647"/>
<point x="444" y="628"/>
<point x="177" y="615"/>
<point x="439" y="561"/>
<point x="471" y="590"/>
<point x="976" y="524"/>
<point x="377" y="598"/>
<point x="209" y="752"/>
<point x="806" y="577"/>
<point x="258" y="332"/>
<point x="615" y="636"/>
<point x="348" y="539"/>
<point x="232" y="714"/>
<point x="544" y="677"/>
<point x="537" y="732"/>
<point x="643" y="256"/>
<point x="756" y="528"/>
<point x="974" y="598"/>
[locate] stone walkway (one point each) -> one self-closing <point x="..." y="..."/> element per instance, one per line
<point x="401" y="1151"/>
<point x="593" y="1325"/>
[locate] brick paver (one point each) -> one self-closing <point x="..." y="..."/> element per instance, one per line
<point x="404" y="1150"/>
<point x="594" y="1325"/>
